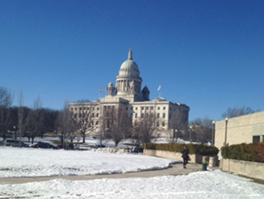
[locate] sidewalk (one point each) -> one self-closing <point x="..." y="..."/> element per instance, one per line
<point x="176" y="169"/>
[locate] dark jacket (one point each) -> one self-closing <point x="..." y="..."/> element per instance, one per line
<point x="185" y="154"/>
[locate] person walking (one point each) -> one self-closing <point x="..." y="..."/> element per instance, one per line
<point x="185" y="156"/>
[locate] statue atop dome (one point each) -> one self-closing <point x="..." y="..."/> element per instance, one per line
<point x="128" y="82"/>
<point x="130" y="54"/>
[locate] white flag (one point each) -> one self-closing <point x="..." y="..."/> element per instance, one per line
<point x="159" y="88"/>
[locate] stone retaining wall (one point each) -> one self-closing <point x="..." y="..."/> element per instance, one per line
<point x="172" y="155"/>
<point x="246" y="168"/>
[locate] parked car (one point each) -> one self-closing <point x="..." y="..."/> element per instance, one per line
<point x="44" y="145"/>
<point x="98" y="146"/>
<point x="138" y="149"/>
<point x="14" y="143"/>
<point x="66" y="146"/>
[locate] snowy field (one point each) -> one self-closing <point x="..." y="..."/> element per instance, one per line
<point x="39" y="162"/>
<point x="211" y="185"/>
<point x="28" y="162"/>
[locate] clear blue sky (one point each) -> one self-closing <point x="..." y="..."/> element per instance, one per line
<point x="208" y="55"/>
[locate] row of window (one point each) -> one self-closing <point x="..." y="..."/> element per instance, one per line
<point x="85" y="108"/>
<point x="87" y="115"/>
<point x="131" y="108"/>
<point x="158" y="124"/>
<point x="146" y="108"/>
<point x="142" y="115"/>
<point x="131" y="115"/>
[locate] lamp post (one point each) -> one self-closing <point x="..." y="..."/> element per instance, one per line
<point x="15" y="132"/>
<point x="226" y="121"/>
<point x="190" y="134"/>
<point x="176" y="133"/>
<point x="213" y="129"/>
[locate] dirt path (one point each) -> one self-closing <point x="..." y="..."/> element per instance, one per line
<point x="176" y="169"/>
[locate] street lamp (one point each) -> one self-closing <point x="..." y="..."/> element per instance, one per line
<point x="226" y="121"/>
<point x="15" y="132"/>
<point x="213" y="126"/>
<point x="190" y="134"/>
<point x="176" y="135"/>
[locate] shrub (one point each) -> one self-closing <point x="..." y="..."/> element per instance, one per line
<point x="247" y="152"/>
<point x="193" y="148"/>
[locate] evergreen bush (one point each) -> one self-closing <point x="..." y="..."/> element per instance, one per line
<point x="246" y="152"/>
<point x="193" y="148"/>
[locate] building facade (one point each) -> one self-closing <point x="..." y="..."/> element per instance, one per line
<point x="129" y="96"/>
<point x="237" y="130"/>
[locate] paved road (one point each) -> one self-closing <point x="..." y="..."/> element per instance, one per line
<point x="176" y="169"/>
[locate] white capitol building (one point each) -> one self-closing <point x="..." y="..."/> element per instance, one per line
<point x="127" y="95"/>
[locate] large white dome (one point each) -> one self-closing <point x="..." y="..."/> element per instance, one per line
<point x="129" y="68"/>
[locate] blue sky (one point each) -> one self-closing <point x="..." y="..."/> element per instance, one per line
<point x="208" y="55"/>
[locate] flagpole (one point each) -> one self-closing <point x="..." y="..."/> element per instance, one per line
<point x="100" y="91"/>
<point x="159" y="88"/>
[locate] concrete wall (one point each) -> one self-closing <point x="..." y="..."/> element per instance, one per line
<point x="250" y="169"/>
<point x="172" y="155"/>
<point x="240" y="129"/>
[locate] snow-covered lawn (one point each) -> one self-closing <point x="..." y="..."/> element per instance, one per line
<point x="28" y="162"/>
<point x="211" y="185"/>
<point x="38" y="162"/>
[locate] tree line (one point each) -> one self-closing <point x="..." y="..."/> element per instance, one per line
<point x="115" y="124"/>
<point x="24" y="121"/>
<point x="20" y="121"/>
<point x="202" y="129"/>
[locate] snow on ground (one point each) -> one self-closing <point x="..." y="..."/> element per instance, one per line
<point x="40" y="162"/>
<point x="211" y="185"/>
<point x="28" y="162"/>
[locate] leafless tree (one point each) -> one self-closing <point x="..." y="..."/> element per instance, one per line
<point x="118" y="124"/>
<point x="67" y="126"/>
<point x="235" y="112"/>
<point x="35" y="121"/>
<point x="175" y="123"/>
<point x="145" y="128"/>
<point x="178" y="123"/>
<point x="86" y="119"/>
<point x="202" y="130"/>
<point x="50" y="119"/>
<point x="6" y="100"/>
<point x="12" y="120"/>
<point x="20" y="116"/>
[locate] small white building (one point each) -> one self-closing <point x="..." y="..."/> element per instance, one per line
<point x="237" y="130"/>
<point x="127" y="95"/>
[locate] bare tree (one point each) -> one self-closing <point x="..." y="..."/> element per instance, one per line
<point x="20" y="116"/>
<point x="12" y="120"/>
<point x="145" y="128"/>
<point x="202" y="130"/>
<point x="175" y="123"/>
<point x="235" y="112"/>
<point x="35" y="122"/>
<point x="6" y="100"/>
<point x="67" y="126"/>
<point x="50" y="119"/>
<point x="178" y="123"/>
<point x="118" y="124"/>
<point x="85" y="118"/>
